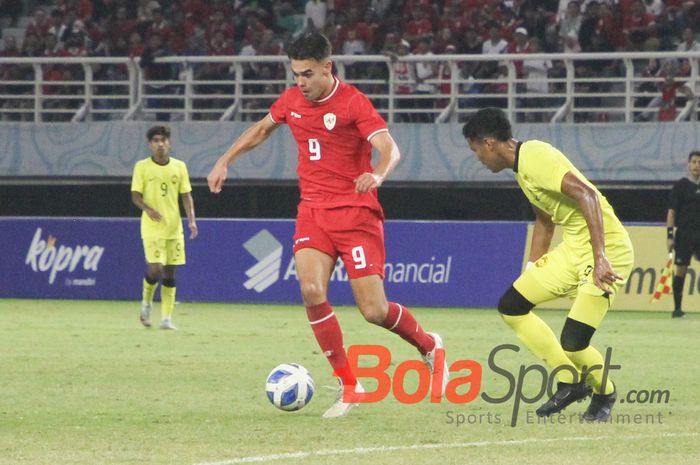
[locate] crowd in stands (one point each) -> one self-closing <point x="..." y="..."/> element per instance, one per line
<point x="150" y="28"/>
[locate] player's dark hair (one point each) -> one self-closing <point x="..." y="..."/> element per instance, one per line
<point x="694" y="153"/>
<point x="158" y="131"/>
<point x="488" y="122"/>
<point x="311" y="46"/>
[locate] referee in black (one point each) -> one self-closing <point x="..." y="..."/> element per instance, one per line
<point x="684" y="216"/>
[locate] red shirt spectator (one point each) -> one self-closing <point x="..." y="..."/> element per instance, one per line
<point x="120" y="25"/>
<point x="39" y="23"/>
<point x="418" y="28"/>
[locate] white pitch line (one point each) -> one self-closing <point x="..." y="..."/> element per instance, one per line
<point x="371" y="450"/>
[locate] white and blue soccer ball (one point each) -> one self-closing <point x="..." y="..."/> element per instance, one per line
<point x="289" y="386"/>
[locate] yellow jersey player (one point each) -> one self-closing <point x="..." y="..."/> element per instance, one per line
<point x="156" y="184"/>
<point x="590" y="265"/>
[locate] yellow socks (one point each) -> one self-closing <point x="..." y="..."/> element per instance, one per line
<point x="148" y="291"/>
<point x="167" y="301"/>
<point x="590" y="357"/>
<point x="539" y="338"/>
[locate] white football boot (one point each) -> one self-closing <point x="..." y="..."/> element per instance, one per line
<point x="146" y="314"/>
<point x="429" y="360"/>
<point x="340" y="407"/>
<point x="167" y="323"/>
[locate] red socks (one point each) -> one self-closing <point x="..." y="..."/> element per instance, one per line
<point x="401" y="321"/>
<point x="330" y="338"/>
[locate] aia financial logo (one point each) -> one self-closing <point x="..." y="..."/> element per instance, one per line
<point x="50" y="256"/>
<point x="268" y="252"/>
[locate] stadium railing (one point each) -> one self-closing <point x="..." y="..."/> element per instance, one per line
<point x="583" y="87"/>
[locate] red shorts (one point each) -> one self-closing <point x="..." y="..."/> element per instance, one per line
<point x="355" y="234"/>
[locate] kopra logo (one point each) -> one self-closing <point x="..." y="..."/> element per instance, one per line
<point x="48" y="256"/>
<point x="268" y="252"/>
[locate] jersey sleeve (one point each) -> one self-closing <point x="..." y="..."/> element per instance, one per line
<point x="185" y="185"/>
<point x="545" y="167"/>
<point x="278" y="110"/>
<point x="674" y="200"/>
<point x="137" y="178"/>
<point x="368" y="121"/>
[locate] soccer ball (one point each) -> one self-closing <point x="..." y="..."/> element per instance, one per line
<point x="289" y="386"/>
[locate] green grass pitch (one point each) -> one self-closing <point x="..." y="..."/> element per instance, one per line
<point x="81" y="382"/>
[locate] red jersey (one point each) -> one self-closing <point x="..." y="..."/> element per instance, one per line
<point x="333" y="138"/>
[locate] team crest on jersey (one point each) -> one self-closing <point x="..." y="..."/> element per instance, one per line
<point x="329" y="120"/>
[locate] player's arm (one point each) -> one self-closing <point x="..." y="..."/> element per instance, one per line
<point x="670" y="225"/>
<point x="188" y="204"/>
<point x="389" y="156"/>
<point x="251" y="138"/>
<point x="588" y="202"/>
<point x="541" y="235"/>
<point x="137" y="199"/>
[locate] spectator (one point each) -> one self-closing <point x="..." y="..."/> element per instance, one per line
<point x="120" y="24"/>
<point x="494" y="45"/>
<point x="315" y="14"/>
<point x="404" y="79"/>
<point x="424" y="90"/>
<point x="670" y="88"/>
<point x="688" y="43"/>
<point x="136" y="45"/>
<point x="58" y="25"/>
<point x="638" y="26"/>
<point x="159" y="25"/>
<point x="520" y="44"/>
<point x="352" y="45"/>
<point x="39" y="23"/>
<point x="155" y="73"/>
<point x="536" y="82"/>
<point x="418" y="28"/>
<point x="571" y="20"/>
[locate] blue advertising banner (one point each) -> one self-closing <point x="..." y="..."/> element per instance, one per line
<point x="450" y="264"/>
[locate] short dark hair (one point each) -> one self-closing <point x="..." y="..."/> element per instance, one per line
<point x="694" y="153"/>
<point x="311" y="46"/>
<point x="158" y="131"/>
<point x="488" y="122"/>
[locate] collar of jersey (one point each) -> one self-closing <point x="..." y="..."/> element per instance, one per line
<point x="335" y="88"/>
<point x="156" y="163"/>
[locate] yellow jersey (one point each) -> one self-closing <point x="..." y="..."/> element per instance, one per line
<point x="161" y="186"/>
<point x="539" y="170"/>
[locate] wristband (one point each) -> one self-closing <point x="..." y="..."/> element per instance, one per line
<point x="669" y="232"/>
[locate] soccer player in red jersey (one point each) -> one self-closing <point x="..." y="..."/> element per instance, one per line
<point x="339" y="215"/>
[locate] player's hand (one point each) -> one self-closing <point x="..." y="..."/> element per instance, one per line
<point x="670" y="243"/>
<point x="604" y="275"/>
<point x="216" y="177"/>
<point x="366" y="182"/>
<point x="153" y="214"/>
<point x="194" y="231"/>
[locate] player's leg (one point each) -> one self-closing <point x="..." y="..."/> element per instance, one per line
<point x="154" y="252"/>
<point x="314" y="269"/>
<point x="168" y="292"/>
<point x="537" y="285"/>
<point x="589" y="308"/>
<point x="372" y="302"/>
<point x="683" y="252"/>
<point x="175" y="256"/>
<point x="580" y="326"/>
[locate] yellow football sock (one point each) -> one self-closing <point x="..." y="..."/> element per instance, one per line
<point x="167" y="301"/>
<point x="539" y="338"/>
<point x="590" y="357"/>
<point x="148" y="291"/>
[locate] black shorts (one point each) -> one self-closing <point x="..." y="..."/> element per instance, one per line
<point x="686" y="245"/>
